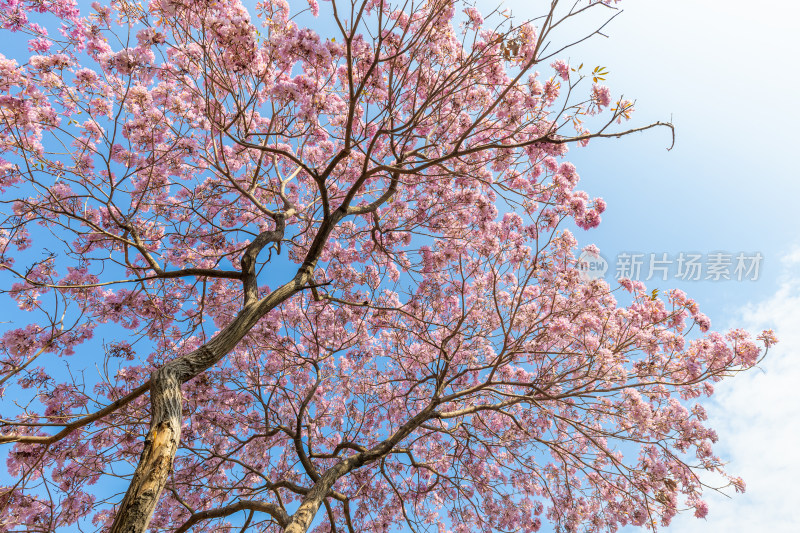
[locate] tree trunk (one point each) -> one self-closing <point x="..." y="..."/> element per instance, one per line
<point x="155" y="463"/>
<point x="161" y="444"/>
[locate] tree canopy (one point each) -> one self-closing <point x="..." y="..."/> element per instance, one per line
<point x="292" y="273"/>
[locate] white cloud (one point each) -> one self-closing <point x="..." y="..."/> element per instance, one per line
<point x="757" y="417"/>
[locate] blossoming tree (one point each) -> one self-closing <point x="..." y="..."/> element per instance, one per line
<point x="293" y="282"/>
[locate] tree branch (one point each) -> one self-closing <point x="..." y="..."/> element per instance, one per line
<point x="273" y="510"/>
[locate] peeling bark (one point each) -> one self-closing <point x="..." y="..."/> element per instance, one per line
<point x="155" y="463"/>
<point x="161" y="443"/>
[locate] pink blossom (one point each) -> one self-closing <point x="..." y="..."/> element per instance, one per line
<point x="768" y="337"/>
<point x="599" y="205"/>
<point x="562" y="68"/>
<point x="703" y="322"/>
<point x="700" y="509"/>
<point x="475" y="17"/>
<point x="601" y="95"/>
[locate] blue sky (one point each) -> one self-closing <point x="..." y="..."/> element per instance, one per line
<point x="726" y="74"/>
